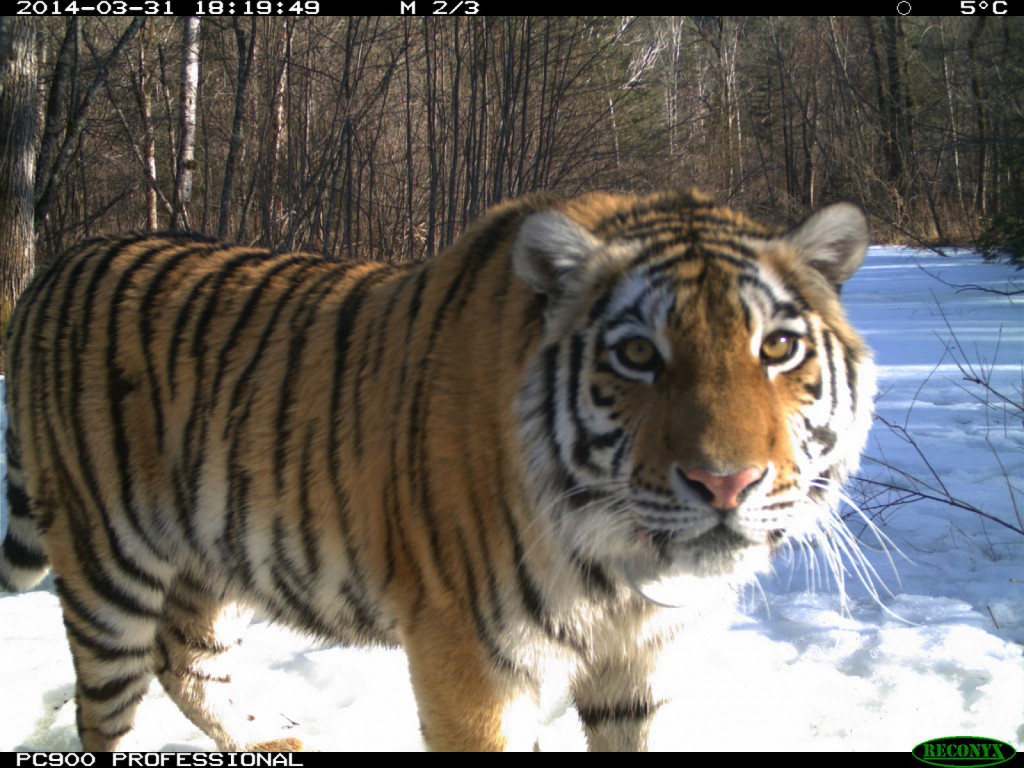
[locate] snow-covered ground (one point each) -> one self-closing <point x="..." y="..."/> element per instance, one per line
<point x="798" y="668"/>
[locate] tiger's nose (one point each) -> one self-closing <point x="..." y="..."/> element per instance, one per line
<point x="725" y="489"/>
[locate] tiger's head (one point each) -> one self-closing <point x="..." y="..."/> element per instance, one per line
<point x="698" y="396"/>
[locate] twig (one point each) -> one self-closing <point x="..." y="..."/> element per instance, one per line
<point x="906" y="488"/>
<point x="916" y="495"/>
<point x="960" y="287"/>
<point x="990" y="613"/>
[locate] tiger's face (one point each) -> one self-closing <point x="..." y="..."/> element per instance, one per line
<point x="698" y="397"/>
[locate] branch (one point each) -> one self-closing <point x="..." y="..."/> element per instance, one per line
<point x="60" y="166"/>
<point x="912" y="495"/>
<point x="960" y="288"/>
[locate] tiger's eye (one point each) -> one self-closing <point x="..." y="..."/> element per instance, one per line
<point x="638" y="353"/>
<point x="778" y="347"/>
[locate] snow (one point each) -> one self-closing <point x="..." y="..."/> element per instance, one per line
<point x="797" y="668"/>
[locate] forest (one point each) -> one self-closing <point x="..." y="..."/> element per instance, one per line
<point x="382" y="137"/>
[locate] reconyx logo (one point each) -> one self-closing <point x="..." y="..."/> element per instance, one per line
<point x="963" y="751"/>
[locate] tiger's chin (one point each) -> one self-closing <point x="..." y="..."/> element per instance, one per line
<point x="674" y="569"/>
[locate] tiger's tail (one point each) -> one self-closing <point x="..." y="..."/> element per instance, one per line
<point x="23" y="561"/>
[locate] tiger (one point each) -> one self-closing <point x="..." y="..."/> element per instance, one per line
<point x="500" y="459"/>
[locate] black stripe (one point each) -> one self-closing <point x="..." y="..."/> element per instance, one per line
<point x="594" y="716"/>
<point x="203" y="677"/>
<point x="374" y="345"/>
<point x="531" y="596"/>
<point x="298" y="336"/>
<point x="392" y="526"/>
<point x="307" y="516"/>
<point x="23" y="338"/>
<point x="599" y="306"/>
<point x="395" y="530"/>
<point x="110" y="588"/>
<point x="100" y="650"/>
<point x="21" y="556"/>
<point x="851" y="377"/>
<point x="283" y="565"/>
<point x="830" y="354"/>
<point x="347" y="317"/>
<point x="295" y="609"/>
<point x="205" y="645"/>
<point x="678" y="209"/>
<point x="146" y="333"/>
<point x="620" y="455"/>
<point x="584" y="442"/>
<point x="559" y="471"/>
<point x="231" y="541"/>
<point x="580" y="440"/>
<point x="112" y="689"/>
<point x="624" y="315"/>
<point x="365" y="615"/>
<point x="17" y="499"/>
<point x="823" y="435"/>
<point x="656" y="259"/>
<point x="595" y="580"/>
<point x="530" y="327"/>
<point x="779" y="308"/>
<point x="497" y="656"/>
<point x="742" y="262"/>
<point x="550" y="360"/>
<point x="120" y="387"/>
<point x="243" y="385"/>
<point x="127" y="707"/>
<point x="111" y="735"/>
<point x="182" y="318"/>
<point x="815" y="389"/>
<point x="486" y="246"/>
<point x="70" y="602"/>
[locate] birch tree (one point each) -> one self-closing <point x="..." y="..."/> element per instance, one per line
<point x="186" y="162"/>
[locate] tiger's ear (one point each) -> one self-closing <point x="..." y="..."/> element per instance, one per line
<point x="833" y="241"/>
<point x="549" y="249"/>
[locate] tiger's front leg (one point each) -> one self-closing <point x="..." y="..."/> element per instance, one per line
<point x="614" y="700"/>
<point x="461" y="700"/>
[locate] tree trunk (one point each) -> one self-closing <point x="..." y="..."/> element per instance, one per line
<point x="143" y="98"/>
<point x="56" y="118"/>
<point x="245" y="58"/>
<point x="980" y="117"/>
<point x="18" y="135"/>
<point x="187" y="140"/>
<point x="278" y="133"/>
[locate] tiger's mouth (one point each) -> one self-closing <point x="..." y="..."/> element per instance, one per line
<point x="721" y="535"/>
<point x="718" y="539"/>
<point x="720" y="551"/>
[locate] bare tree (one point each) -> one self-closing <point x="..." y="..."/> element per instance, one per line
<point x="384" y="137"/>
<point x="49" y="180"/>
<point x="187" y="139"/>
<point x="18" y="136"/>
<point x="143" y="97"/>
<point x="245" y="59"/>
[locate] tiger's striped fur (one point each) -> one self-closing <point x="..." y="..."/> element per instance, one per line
<point x="487" y="458"/>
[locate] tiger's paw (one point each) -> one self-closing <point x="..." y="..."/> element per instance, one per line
<point x="277" y="745"/>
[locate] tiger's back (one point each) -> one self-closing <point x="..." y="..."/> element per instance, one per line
<point x="415" y="455"/>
